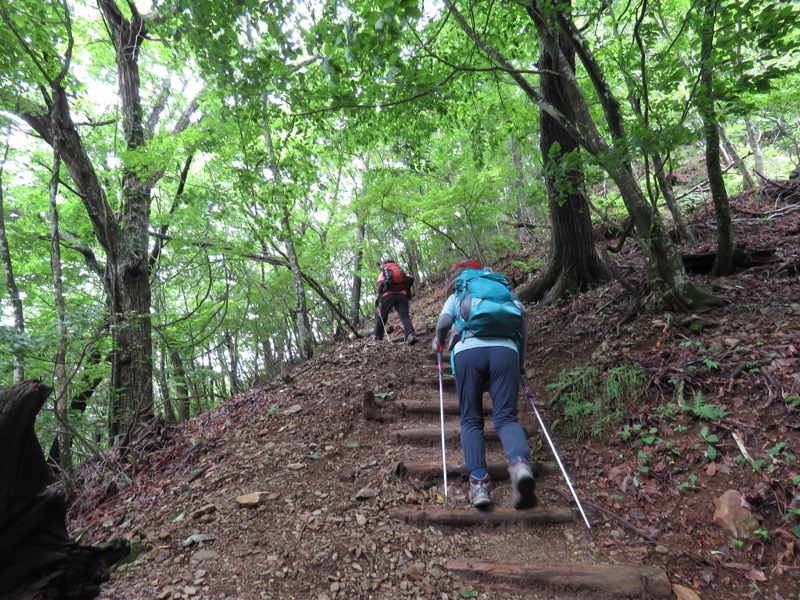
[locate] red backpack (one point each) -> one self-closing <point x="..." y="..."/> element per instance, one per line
<point x="394" y="280"/>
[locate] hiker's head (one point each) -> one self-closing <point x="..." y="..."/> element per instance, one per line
<point x="387" y="260"/>
<point x="464" y="265"/>
<point x="458" y="269"/>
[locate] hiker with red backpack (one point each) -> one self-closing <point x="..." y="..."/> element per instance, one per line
<point x="487" y="345"/>
<point x="394" y="289"/>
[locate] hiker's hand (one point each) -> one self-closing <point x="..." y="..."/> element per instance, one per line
<point x="437" y="345"/>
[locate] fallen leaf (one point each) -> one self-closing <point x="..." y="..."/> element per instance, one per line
<point x="756" y="575"/>
<point x="684" y="593"/>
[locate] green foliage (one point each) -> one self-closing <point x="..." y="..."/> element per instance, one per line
<point x="370" y="125"/>
<point x="590" y="400"/>
<point x="710" y="439"/>
<point x="706" y="411"/>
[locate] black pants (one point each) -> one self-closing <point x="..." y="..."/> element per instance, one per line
<point x="399" y="302"/>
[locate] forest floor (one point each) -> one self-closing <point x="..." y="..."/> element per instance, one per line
<point x="322" y="478"/>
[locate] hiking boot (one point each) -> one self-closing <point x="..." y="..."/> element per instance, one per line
<point x="523" y="485"/>
<point x="411" y="339"/>
<point x="479" y="493"/>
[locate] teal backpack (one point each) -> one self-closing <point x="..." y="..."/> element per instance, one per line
<point x="488" y="307"/>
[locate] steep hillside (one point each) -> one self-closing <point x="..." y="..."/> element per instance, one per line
<point x="321" y="467"/>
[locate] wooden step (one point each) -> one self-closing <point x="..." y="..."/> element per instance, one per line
<point x="432" y="406"/>
<point x="448" y="382"/>
<point x="432" y="435"/>
<point x="498" y="470"/>
<point x="436" y="515"/>
<point x="615" y="581"/>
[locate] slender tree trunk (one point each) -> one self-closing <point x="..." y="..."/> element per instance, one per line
<point x="747" y="178"/>
<point x="163" y="384"/>
<point x="358" y="258"/>
<point x="665" y="273"/>
<point x="684" y="232"/>
<point x="723" y="263"/>
<point x="524" y="213"/>
<point x="305" y="335"/>
<point x="639" y="99"/>
<point x="181" y="388"/>
<point x="753" y="138"/>
<point x="11" y="282"/>
<point x="233" y="364"/>
<point x="60" y="359"/>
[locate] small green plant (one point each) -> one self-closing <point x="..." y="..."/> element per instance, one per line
<point x="590" y="400"/>
<point x="776" y="450"/>
<point x="736" y="543"/>
<point x="710" y="439"/>
<point x="761" y="532"/>
<point x="793" y="400"/>
<point x="650" y="436"/>
<point x="752" y="366"/>
<point x="626" y="434"/>
<point x="689" y="485"/>
<point x="707" y="411"/>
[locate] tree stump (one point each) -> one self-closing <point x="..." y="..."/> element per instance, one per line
<point x="369" y="408"/>
<point x="38" y="559"/>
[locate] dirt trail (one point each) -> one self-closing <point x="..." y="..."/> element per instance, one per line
<point x="323" y="479"/>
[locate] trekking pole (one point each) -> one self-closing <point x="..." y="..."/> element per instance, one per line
<point x="555" y="453"/>
<point x="441" y="413"/>
<point x="385" y="331"/>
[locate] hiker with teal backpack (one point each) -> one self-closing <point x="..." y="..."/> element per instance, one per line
<point x="487" y="344"/>
<point x="395" y="290"/>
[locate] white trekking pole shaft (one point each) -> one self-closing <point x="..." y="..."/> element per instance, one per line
<point x="555" y="453"/>
<point x="383" y="323"/>
<point x="441" y="414"/>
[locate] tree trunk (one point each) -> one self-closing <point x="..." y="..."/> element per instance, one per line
<point x="122" y="236"/>
<point x="755" y="146"/>
<point x="665" y="273"/>
<point x="181" y="388"/>
<point x="664" y="268"/>
<point x="747" y="179"/>
<point x="358" y="258"/>
<point x="11" y="283"/>
<point x="723" y="264"/>
<point x="40" y="559"/>
<point x="684" y="232"/>
<point x="168" y="409"/>
<point x="305" y="336"/>
<point x="573" y="265"/>
<point x="233" y="361"/>
<point x="60" y="358"/>
<point x="128" y="269"/>
<point x="524" y="213"/>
